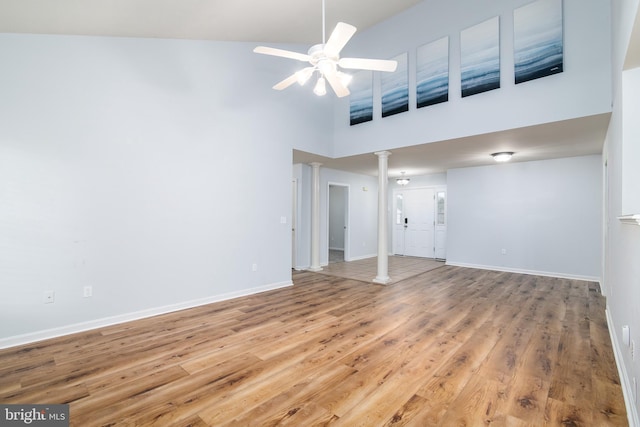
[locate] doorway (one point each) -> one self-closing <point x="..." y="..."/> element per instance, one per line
<point x="338" y="215"/>
<point x="418" y="222"/>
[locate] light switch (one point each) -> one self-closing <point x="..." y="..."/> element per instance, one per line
<point x="626" y="336"/>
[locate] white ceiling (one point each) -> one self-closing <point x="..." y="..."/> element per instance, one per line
<point x="569" y="138"/>
<point x="297" y="21"/>
<point x="291" y="21"/>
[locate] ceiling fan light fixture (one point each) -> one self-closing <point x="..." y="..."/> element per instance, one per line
<point x="304" y="75"/>
<point x="325" y="57"/>
<point x="503" y="156"/>
<point x="326" y="66"/>
<point x="321" y="87"/>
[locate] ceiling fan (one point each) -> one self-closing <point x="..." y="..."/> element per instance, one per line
<point x="325" y="59"/>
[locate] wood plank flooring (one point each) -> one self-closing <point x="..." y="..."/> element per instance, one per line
<point x="400" y="268"/>
<point x="449" y="347"/>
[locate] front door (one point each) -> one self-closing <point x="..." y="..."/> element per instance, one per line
<point x="414" y="222"/>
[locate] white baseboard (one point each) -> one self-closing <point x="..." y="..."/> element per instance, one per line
<point x="127" y="317"/>
<point x="358" y="258"/>
<point x="627" y="390"/>
<point x="523" y="271"/>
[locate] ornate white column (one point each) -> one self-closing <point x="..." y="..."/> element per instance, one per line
<point x="383" y="197"/>
<point x="315" y="217"/>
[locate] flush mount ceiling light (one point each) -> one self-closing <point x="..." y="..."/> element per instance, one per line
<point x="503" y="156"/>
<point x="402" y="180"/>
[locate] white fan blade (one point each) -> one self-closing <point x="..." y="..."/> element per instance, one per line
<point x="283" y="53"/>
<point x="304" y="75"/>
<point x="338" y="39"/>
<point x="286" y="82"/>
<point x="336" y="84"/>
<point x="368" y="64"/>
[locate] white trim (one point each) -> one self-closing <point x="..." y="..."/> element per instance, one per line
<point x="121" y="318"/>
<point x="294" y="222"/>
<point x="630" y="219"/>
<point x="522" y="271"/>
<point x="627" y="392"/>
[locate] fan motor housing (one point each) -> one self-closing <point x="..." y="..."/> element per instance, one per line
<point x="317" y="54"/>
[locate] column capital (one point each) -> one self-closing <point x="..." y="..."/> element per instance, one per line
<point x="315" y="164"/>
<point x="382" y="153"/>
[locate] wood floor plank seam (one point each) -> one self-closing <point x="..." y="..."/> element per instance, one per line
<point x="448" y="346"/>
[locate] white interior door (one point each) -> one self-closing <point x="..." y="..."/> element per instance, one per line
<point x="414" y="222"/>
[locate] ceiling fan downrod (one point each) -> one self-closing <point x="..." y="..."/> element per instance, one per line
<point x="324" y="40"/>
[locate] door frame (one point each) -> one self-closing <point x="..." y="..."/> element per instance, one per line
<point x="294" y="223"/>
<point x="347" y="219"/>
<point x="436" y="189"/>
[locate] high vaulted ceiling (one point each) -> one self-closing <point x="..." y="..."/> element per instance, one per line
<point x="287" y="21"/>
<point x="298" y="21"/>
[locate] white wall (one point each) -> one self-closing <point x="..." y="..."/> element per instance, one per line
<point x="621" y="283"/>
<point x="431" y="180"/>
<point x="362" y="222"/>
<point x="302" y="175"/>
<point x="155" y="171"/>
<point x="547" y="216"/>
<point x="583" y="89"/>
<point x="631" y="136"/>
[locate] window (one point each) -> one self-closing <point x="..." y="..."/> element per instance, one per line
<point x="440" y="203"/>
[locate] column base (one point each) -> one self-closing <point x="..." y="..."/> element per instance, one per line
<point x="314" y="269"/>
<point x="382" y="280"/>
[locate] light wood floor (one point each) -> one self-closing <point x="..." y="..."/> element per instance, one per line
<point x="450" y="347"/>
<point x="400" y="268"/>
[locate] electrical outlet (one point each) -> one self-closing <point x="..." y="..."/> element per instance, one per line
<point x="504" y="251"/>
<point x="88" y="291"/>
<point x="49" y="297"/>
<point x="254" y="267"/>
